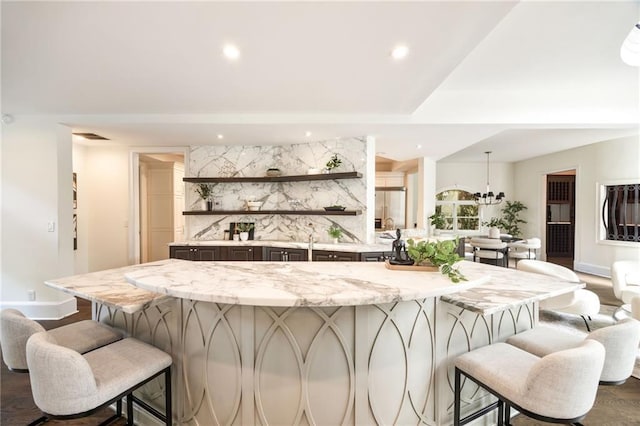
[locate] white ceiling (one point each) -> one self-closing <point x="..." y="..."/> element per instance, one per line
<point x="519" y="78"/>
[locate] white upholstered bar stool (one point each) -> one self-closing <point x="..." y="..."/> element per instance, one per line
<point x="67" y="385"/>
<point x="81" y="336"/>
<point x="580" y="302"/>
<point x="620" y="342"/>
<point x="558" y="388"/>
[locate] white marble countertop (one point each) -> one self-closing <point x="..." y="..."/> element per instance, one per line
<point x="297" y="283"/>
<point x="110" y="288"/>
<point x="490" y="289"/>
<point x="345" y="247"/>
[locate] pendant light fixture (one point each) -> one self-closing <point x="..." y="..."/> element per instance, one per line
<point x="488" y="198"/>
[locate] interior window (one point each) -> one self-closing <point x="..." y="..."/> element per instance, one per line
<point x="459" y="209"/>
<point x="621" y="212"/>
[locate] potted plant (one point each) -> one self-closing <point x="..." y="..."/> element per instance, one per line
<point x="441" y="254"/>
<point x="494" y="227"/>
<point x="511" y="217"/>
<point x="333" y="163"/>
<point x="438" y="221"/>
<point x="335" y="232"/>
<point x="243" y="229"/>
<point x="205" y="190"/>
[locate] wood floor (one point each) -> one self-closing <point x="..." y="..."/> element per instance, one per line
<point x="615" y="405"/>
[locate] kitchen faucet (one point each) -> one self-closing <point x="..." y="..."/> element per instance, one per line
<point x="310" y="249"/>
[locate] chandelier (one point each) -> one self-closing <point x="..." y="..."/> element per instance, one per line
<point x="488" y="198"/>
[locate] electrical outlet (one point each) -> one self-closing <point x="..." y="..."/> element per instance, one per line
<point x="51" y="226"/>
<point x="31" y="294"/>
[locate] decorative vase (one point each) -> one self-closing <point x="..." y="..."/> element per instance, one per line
<point x="244" y="236"/>
<point x="335" y="241"/>
<point x="494" y="233"/>
<point x="209" y="205"/>
<point x="203" y="205"/>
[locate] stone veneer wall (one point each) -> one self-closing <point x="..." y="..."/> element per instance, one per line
<point x="297" y="159"/>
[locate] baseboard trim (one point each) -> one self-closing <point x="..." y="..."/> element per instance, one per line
<point x="44" y="310"/>
<point x="587" y="268"/>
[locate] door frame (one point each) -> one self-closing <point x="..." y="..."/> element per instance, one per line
<point x="543" y="209"/>
<point x="134" y="192"/>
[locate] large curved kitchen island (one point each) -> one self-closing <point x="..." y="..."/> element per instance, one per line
<point x="273" y="343"/>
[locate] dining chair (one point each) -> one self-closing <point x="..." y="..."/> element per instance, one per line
<point x="524" y="249"/>
<point x="489" y="250"/>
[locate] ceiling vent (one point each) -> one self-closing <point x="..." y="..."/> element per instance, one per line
<point x="91" y="136"/>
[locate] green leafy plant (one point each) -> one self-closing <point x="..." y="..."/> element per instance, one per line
<point x="438" y="220"/>
<point x="204" y="190"/>
<point x="442" y="254"/>
<point x="333" y="162"/>
<point x="494" y="222"/>
<point x="243" y="227"/>
<point x="511" y="217"/>
<point x="334" y="231"/>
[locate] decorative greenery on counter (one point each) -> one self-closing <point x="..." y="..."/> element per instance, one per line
<point x="437" y="253"/>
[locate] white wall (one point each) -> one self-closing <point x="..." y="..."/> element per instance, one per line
<point x="605" y="161"/>
<point x="36" y="175"/>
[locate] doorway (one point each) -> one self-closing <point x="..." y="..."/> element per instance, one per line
<point x="560" y="218"/>
<point x="157" y="202"/>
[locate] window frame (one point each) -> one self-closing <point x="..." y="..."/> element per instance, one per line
<point x="454" y="208"/>
<point x="601" y="230"/>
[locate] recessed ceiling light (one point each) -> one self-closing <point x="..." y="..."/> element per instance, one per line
<point x="307" y="134"/>
<point x="419" y="146"/>
<point x="220" y="136"/>
<point x="231" y="52"/>
<point x="399" y="52"/>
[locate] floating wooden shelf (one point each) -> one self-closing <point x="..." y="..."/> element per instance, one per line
<point x="263" y="212"/>
<point x="292" y="178"/>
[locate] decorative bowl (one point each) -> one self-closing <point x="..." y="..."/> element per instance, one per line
<point x="254" y="205"/>
<point x="274" y="172"/>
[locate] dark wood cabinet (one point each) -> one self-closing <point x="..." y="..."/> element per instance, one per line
<point x="243" y="253"/>
<point x="375" y="256"/>
<point x="275" y="254"/>
<point x="195" y="253"/>
<point x="335" y="256"/>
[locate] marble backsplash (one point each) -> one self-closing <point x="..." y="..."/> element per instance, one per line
<point x="296" y="159"/>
